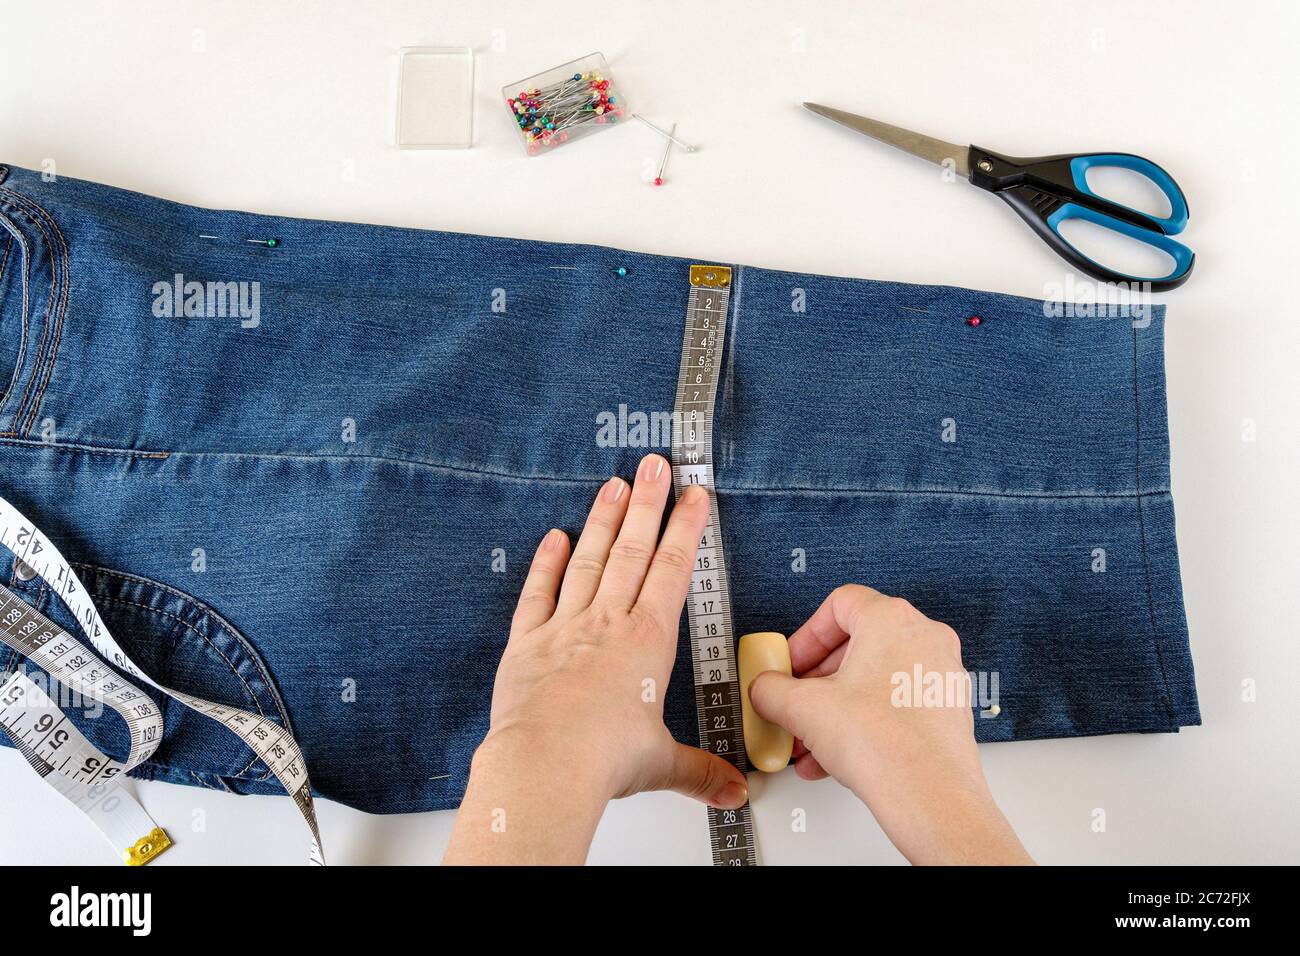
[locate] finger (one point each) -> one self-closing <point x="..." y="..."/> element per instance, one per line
<point x="773" y="696"/>
<point x="582" y="577"/>
<point x="807" y="768"/>
<point x="830" y="626"/>
<point x="705" y="777"/>
<point x="537" y="599"/>
<point x="829" y="665"/>
<point x="635" y="545"/>
<point x="669" y="578"/>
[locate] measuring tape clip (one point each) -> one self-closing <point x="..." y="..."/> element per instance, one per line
<point x="60" y="753"/>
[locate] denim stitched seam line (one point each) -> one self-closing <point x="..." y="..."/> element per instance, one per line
<point x="247" y="690"/>
<point x="21" y="360"/>
<point x="226" y="627"/>
<point x="8" y="439"/>
<point x="727" y="406"/>
<point x="29" y="256"/>
<point x="1142" y="534"/>
<point x="4" y="262"/>
<point x="202" y="782"/>
<point x="480" y="472"/>
<point x="60" y="266"/>
<point x="56" y="305"/>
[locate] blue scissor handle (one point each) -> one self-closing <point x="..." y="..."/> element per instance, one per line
<point x="1182" y="256"/>
<point x="1170" y="225"/>
<point x="1048" y="190"/>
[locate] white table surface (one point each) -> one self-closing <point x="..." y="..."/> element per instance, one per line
<point x="288" y="108"/>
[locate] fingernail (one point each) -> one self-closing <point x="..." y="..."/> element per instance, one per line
<point x="613" y="490"/>
<point x="693" y="494"/>
<point x="552" y="539"/>
<point x="731" y="797"/>
<point x="652" y="466"/>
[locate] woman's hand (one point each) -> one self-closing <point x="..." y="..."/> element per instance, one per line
<point x="913" y="762"/>
<point x="577" y="709"/>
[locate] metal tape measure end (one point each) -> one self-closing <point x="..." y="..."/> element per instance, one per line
<point x="146" y="848"/>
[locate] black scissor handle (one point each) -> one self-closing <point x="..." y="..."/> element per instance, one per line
<point x="1046" y="191"/>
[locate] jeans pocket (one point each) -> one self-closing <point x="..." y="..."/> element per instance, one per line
<point x="183" y="644"/>
<point x="35" y="284"/>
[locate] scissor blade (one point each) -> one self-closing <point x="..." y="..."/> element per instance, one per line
<point x="918" y="144"/>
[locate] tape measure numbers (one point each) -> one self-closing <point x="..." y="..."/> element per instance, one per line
<point x="54" y="747"/>
<point x="708" y="606"/>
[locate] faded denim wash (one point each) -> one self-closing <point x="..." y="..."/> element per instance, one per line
<point x="326" y="514"/>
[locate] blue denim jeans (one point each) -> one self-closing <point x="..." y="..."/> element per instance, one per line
<point x="314" y="491"/>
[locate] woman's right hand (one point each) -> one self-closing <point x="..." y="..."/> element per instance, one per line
<point x="857" y="716"/>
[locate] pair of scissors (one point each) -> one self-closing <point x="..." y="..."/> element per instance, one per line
<point x="1049" y="190"/>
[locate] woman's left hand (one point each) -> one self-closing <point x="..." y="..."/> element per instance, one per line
<point x="577" y="708"/>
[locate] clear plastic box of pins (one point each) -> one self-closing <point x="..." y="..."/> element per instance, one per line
<point x="565" y="104"/>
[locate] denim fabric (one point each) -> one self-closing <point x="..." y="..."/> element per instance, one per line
<point x="368" y="466"/>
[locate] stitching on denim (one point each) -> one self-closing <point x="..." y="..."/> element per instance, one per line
<point x="64" y="266"/>
<point x="1142" y="532"/>
<point x="18" y="365"/>
<point x="248" y="690"/>
<point x="227" y="628"/>
<point x="87" y="449"/>
<point x="581" y="480"/>
<point x="936" y="492"/>
<point x="728" y="390"/>
<point x="203" y="783"/>
<point x="20" y="411"/>
<point x="54" y="309"/>
<point x="59" y="268"/>
<point x="207" y="640"/>
<point x="26" y="320"/>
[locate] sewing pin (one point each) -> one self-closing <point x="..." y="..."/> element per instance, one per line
<point x="686" y="147"/>
<point x="663" y="163"/>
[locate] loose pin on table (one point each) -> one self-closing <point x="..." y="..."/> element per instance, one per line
<point x="685" y="147"/>
<point x="663" y="163"/>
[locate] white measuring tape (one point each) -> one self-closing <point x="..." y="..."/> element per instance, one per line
<point x="59" y="752"/>
<point x="708" y="608"/>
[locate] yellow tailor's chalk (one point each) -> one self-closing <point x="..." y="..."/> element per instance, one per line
<point x="769" y="746"/>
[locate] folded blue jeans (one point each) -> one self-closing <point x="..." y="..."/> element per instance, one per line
<point x="303" y="465"/>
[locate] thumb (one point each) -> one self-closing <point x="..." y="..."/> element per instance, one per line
<point x="710" y="779"/>
<point x="773" y="696"/>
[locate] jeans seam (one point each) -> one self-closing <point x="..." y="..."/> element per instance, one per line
<point x="4" y="262"/>
<point x="207" y="786"/>
<point x="1142" y="532"/>
<point x="581" y="480"/>
<point x="62" y="312"/>
<point x="21" y="360"/>
<point x="85" y="449"/>
<point x="56" y="309"/>
<point x="247" y="689"/>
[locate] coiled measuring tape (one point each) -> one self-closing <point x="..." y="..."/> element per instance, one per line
<point x="708" y="606"/>
<point x="70" y="763"/>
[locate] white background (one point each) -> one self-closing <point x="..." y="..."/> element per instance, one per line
<point x="288" y="108"/>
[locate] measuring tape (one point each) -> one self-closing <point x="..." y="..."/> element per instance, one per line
<point x="60" y="753"/>
<point x="708" y="606"/>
